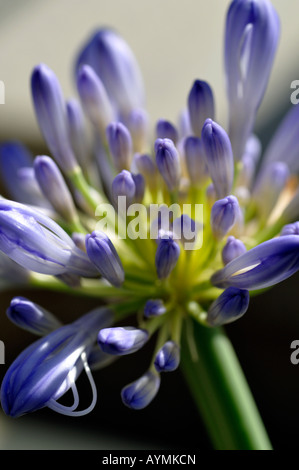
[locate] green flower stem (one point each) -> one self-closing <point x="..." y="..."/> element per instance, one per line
<point x="220" y="390"/>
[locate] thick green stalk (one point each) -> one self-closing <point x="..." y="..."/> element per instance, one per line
<point x="220" y="390"/>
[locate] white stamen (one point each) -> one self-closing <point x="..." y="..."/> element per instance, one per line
<point x="69" y="410"/>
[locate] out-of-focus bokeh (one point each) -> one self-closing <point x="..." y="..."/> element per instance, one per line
<point x="175" y="42"/>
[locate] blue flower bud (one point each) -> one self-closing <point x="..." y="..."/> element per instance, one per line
<point x="37" y="243"/>
<point x="166" y="130"/>
<point x="54" y="187"/>
<point x="48" y="368"/>
<point x="251" y="38"/>
<point x="167" y="255"/>
<point x="232" y="249"/>
<point x="263" y="266"/>
<point x="112" y="59"/>
<point x="290" y="229"/>
<point x="200" y="105"/>
<point x="50" y="110"/>
<point x="121" y="341"/>
<point x="168" y="357"/>
<point x="31" y="317"/>
<point x="219" y="157"/>
<point x="230" y="305"/>
<point x="103" y="255"/>
<point x="270" y="182"/>
<point x="195" y="161"/>
<point x="17" y="174"/>
<point x="95" y="101"/>
<point x="168" y="162"/>
<point x="76" y="130"/>
<point x="224" y="215"/>
<point x="120" y="145"/>
<point x="154" y="308"/>
<point x="139" y="394"/>
<point x="124" y="185"/>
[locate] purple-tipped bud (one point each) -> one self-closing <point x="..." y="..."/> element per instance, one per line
<point x="168" y="162"/>
<point x="224" y="215"/>
<point x="94" y="98"/>
<point x="139" y="394"/>
<point x="269" y="185"/>
<point x="195" y="160"/>
<point x="112" y="59"/>
<point x="54" y="187"/>
<point x="230" y="305"/>
<point x="167" y="255"/>
<point x="166" y="130"/>
<point x="263" y="266"/>
<point x="219" y="157"/>
<point x="232" y="249"/>
<point x="121" y="341"/>
<point x="76" y="128"/>
<point x="290" y="229"/>
<point x="168" y="357"/>
<point x="50" y="110"/>
<point x="139" y="187"/>
<point x="147" y="167"/>
<point x="104" y="256"/>
<point x="154" y="308"/>
<point x="124" y="185"/>
<point x="200" y="105"/>
<point x="31" y="317"/>
<point x="251" y="38"/>
<point x="120" y="145"/>
<point x="39" y="244"/>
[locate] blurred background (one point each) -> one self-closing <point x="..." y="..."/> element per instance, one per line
<point x="175" y="42"/>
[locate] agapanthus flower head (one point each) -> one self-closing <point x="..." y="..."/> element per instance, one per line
<point x="205" y="220"/>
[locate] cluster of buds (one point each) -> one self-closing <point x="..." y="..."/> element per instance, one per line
<point x="178" y="265"/>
